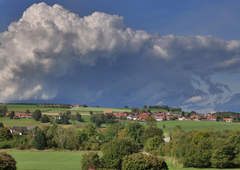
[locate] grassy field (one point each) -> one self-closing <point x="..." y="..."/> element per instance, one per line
<point x="203" y="125"/>
<point x="45" y="160"/>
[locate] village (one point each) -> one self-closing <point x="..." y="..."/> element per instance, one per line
<point x="163" y="116"/>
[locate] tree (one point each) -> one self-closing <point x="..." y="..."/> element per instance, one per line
<point x="91" y="160"/>
<point x="7" y="162"/>
<point x="151" y="121"/>
<point x="78" y="117"/>
<point x="5" y="134"/>
<point x="1" y="125"/>
<point x="44" y="119"/>
<point x="153" y="143"/>
<point x="37" y="114"/>
<point x="116" y="149"/>
<point x="183" y="113"/>
<point x="223" y="154"/>
<point x="27" y="111"/>
<point x="151" y="132"/>
<point x="40" y="141"/>
<point x="141" y="161"/>
<point x="112" y="131"/>
<point x="11" y="115"/>
<point x="135" y="131"/>
<point x="91" y="112"/>
<point x="126" y="107"/>
<point x="135" y="109"/>
<point x="149" y="110"/>
<point x="145" y="106"/>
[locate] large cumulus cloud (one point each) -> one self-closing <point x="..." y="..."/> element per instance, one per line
<point x="53" y="54"/>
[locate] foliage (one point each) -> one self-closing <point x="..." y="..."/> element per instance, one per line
<point x="135" y="131"/>
<point x="153" y="143"/>
<point x="44" y="119"/>
<point x="116" y="149"/>
<point x="1" y="125"/>
<point x="5" y="134"/>
<point x="40" y="140"/>
<point x="151" y="132"/>
<point x="37" y="114"/>
<point x="122" y="133"/>
<point x="7" y="162"/>
<point x="141" y="161"/>
<point x="151" y="121"/>
<point x="112" y="131"/>
<point x="135" y="109"/>
<point x="91" y="160"/>
<point x="11" y="115"/>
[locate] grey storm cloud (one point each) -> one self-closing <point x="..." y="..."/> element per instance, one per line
<point x="52" y="54"/>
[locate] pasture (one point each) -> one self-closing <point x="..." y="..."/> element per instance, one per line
<point x="202" y="125"/>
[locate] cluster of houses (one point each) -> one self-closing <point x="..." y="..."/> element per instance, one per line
<point x="21" y="115"/>
<point x="161" y="116"/>
<point x="20" y="130"/>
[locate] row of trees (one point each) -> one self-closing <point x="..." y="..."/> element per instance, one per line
<point x="100" y="118"/>
<point x="165" y="107"/>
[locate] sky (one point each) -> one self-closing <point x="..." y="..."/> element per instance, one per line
<point x="116" y="53"/>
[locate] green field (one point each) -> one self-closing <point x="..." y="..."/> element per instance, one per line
<point x="203" y="125"/>
<point x="47" y="160"/>
<point x="32" y="108"/>
<point x="7" y="122"/>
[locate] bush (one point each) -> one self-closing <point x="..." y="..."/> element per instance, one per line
<point x="21" y="146"/>
<point x="116" y="149"/>
<point x="91" y="160"/>
<point x="7" y="162"/>
<point x="142" y="161"/>
<point x="28" y="146"/>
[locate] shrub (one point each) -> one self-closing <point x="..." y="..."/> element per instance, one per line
<point x="28" y="146"/>
<point x="21" y="146"/>
<point x="7" y="162"/>
<point x="142" y="161"/>
<point x="91" y="160"/>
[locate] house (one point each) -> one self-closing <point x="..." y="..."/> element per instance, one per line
<point x="160" y="118"/>
<point x="22" y="115"/>
<point x="211" y="118"/>
<point x="120" y="114"/>
<point x="181" y="118"/>
<point x="108" y="112"/>
<point x="228" y="119"/>
<point x="130" y="117"/>
<point x="144" y="116"/>
<point x="19" y="130"/>
<point x="195" y="117"/>
<point x="135" y="118"/>
<point x="168" y="117"/>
